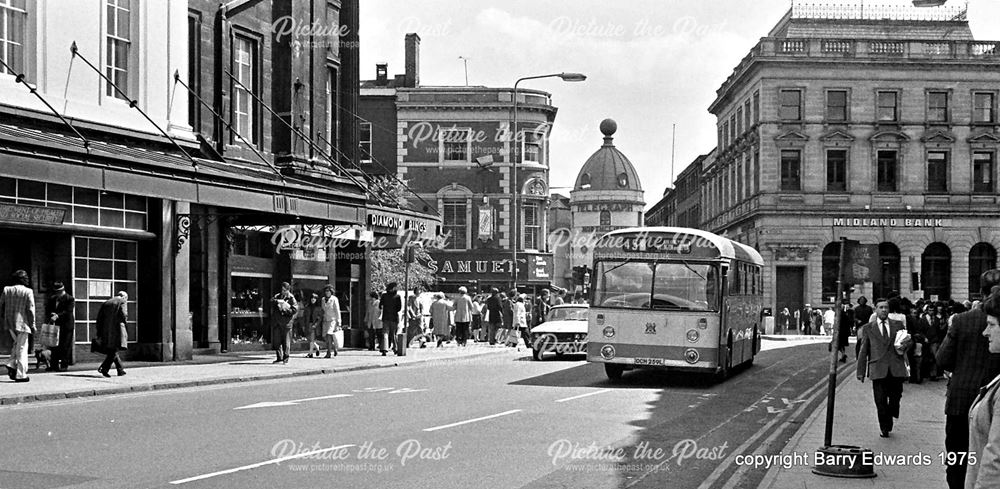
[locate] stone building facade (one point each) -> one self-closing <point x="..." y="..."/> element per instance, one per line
<point x="864" y="126"/>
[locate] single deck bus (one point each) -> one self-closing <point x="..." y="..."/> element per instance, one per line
<point x="674" y="298"/>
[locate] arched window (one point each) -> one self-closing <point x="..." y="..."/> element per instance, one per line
<point x="889" y="256"/>
<point x="935" y="271"/>
<point x="605" y="218"/>
<point x="585" y="180"/>
<point x="623" y="179"/>
<point x="831" y="260"/>
<point x="982" y="257"/>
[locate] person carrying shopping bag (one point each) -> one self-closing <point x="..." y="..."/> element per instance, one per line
<point x="331" y="321"/>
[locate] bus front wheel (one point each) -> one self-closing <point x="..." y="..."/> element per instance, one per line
<point x="614" y="371"/>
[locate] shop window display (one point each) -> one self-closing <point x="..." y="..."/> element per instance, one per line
<point x="248" y="310"/>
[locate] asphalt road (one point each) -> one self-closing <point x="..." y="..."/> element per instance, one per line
<point x="494" y="422"/>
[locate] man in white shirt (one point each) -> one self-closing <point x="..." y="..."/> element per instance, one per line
<point x="828" y="318"/>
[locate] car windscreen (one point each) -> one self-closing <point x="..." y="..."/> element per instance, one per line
<point x="567" y="314"/>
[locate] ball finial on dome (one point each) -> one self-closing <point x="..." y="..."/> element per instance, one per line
<point x="608" y="127"/>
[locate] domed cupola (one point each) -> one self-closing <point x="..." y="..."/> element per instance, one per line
<point x="608" y="168"/>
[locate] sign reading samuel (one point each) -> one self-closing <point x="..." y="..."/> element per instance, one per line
<point x="909" y="222"/>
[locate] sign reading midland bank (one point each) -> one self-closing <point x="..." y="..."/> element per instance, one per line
<point x="907" y="222"/>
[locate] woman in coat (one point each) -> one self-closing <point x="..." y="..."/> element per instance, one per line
<point x="312" y="320"/>
<point x="984" y="415"/>
<point x="441" y="318"/>
<point x="331" y="321"/>
<point x="372" y="322"/>
<point x="111" y="332"/>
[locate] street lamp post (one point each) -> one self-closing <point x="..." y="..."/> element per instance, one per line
<point x="514" y="209"/>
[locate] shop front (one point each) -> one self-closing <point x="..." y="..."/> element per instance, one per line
<point x="93" y="242"/>
<point x="482" y="270"/>
<point x="309" y="257"/>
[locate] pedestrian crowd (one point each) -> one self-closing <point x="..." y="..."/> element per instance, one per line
<point x="902" y="341"/>
<point x="495" y="317"/>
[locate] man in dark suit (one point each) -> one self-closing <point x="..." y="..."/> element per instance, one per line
<point x="879" y="360"/>
<point x="965" y="353"/>
<point x="62" y="310"/>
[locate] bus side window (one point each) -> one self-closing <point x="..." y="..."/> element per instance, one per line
<point x="744" y="284"/>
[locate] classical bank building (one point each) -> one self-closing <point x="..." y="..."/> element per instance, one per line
<point x="877" y="125"/>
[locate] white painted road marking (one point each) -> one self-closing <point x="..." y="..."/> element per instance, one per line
<point x="261" y="464"/>
<point x="405" y="390"/>
<point x="290" y="403"/>
<point x="512" y="411"/>
<point x="602" y="391"/>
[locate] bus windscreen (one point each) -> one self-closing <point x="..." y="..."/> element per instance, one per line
<point x="673" y="286"/>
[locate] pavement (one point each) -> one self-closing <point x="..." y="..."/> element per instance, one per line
<point x="918" y="436"/>
<point x="83" y="380"/>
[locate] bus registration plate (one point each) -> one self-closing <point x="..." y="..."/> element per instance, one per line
<point x="650" y="361"/>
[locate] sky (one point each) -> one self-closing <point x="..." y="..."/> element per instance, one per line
<point x="651" y="65"/>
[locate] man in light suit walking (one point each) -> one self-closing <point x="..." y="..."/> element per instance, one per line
<point x="879" y="360"/>
<point x="17" y="308"/>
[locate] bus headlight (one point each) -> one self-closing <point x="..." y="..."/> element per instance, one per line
<point x="691" y="355"/>
<point x="692" y="335"/>
<point x="607" y="352"/>
<point x="609" y="332"/>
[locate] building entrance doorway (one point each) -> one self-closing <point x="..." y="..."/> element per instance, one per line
<point x="790" y="287"/>
<point x="45" y="256"/>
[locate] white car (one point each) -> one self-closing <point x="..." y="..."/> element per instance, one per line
<point x="564" y="331"/>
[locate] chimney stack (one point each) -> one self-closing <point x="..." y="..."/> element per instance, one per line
<point x="412" y="59"/>
<point x="381" y="74"/>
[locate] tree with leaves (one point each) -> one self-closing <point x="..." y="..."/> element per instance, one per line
<point x="387" y="266"/>
<point x="387" y="191"/>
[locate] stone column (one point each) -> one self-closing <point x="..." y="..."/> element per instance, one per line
<point x="168" y="243"/>
<point x="212" y="252"/>
<point x="181" y="287"/>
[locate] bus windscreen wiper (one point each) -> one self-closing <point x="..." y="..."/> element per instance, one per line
<point x="616" y="267"/>
<point x="693" y="270"/>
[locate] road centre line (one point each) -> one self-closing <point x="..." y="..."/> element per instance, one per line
<point x="512" y="411"/>
<point x="261" y="464"/>
<point x="602" y="391"/>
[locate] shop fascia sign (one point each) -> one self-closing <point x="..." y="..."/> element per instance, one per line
<point x="396" y="224"/>
<point x="472" y="266"/>
<point x="31" y="214"/>
<point x="612" y="207"/>
<point x="908" y="222"/>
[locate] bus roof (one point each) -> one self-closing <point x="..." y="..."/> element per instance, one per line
<point x="727" y="247"/>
